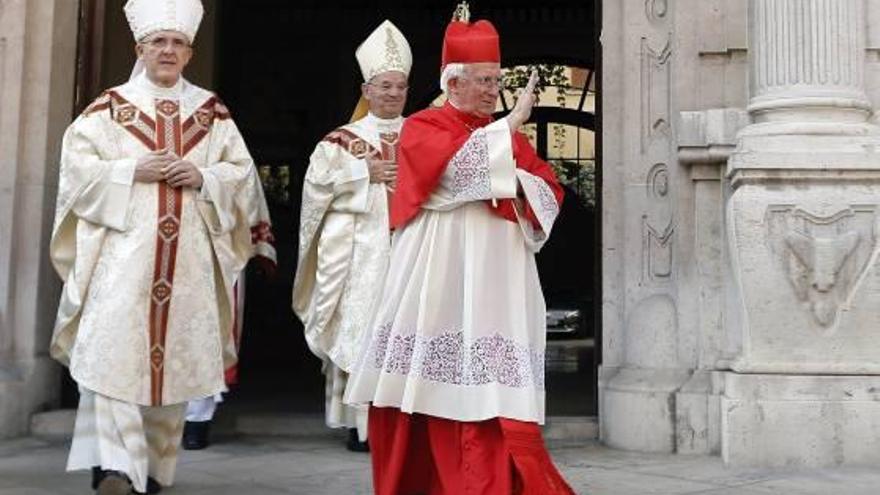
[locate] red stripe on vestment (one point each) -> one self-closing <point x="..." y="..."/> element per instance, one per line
<point x="352" y="143"/>
<point x="130" y="117"/>
<point x="168" y="132"/>
<point x="202" y="119"/>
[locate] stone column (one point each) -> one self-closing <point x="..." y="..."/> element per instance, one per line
<point x="37" y="67"/>
<point x="807" y="61"/>
<point x="802" y="230"/>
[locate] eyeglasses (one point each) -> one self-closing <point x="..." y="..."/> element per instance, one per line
<point x="160" y="42"/>
<point x="487" y="82"/>
<point x="387" y="87"/>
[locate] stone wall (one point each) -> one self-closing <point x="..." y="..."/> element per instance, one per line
<point x="37" y="67"/>
<point x="666" y="63"/>
<point x="741" y="201"/>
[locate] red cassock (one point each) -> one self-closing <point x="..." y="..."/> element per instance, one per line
<point x="417" y="454"/>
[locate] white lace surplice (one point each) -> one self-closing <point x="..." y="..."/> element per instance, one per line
<point x="460" y="331"/>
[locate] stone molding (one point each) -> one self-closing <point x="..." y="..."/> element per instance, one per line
<point x="709" y="136"/>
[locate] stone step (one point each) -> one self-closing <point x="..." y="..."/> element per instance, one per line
<point x="575" y="428"/>
<point x="59" y="423"/>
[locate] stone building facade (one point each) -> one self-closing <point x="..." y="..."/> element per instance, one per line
<point x="741" y="287"/>
<point x="740" y="201"/>
<point x="38" y="42"/>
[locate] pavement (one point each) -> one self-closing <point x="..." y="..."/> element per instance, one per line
<point x="318" y="464"/>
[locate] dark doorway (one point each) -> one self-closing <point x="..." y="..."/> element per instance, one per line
<point x="289" y="74"/>
<point x="287" y="71"/>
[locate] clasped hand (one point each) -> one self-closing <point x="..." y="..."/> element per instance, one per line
<point x="163" y="165"/>
<point x="382" y="171"/>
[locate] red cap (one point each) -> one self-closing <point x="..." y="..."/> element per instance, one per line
<point x="466" y="43"/>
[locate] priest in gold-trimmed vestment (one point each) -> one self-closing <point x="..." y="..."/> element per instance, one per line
<point x="344" y="238"/>
<point x="159" y="208"/>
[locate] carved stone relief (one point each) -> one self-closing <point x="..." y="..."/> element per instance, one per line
<point x="655" y="121"/>
<point x="658" y="181"/>
<point x="656" y="251"/>
<point x="656" y="85"/>
<point x="656" y="9"/>
<point x="823" y="257"/>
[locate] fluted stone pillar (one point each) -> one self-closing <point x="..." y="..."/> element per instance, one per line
<point x="807" y="61"/>
<point x="802" y="231"/>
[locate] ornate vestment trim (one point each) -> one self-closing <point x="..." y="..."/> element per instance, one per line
<point x="144" y="129"/>
<point x="452" y="358"/>
<point x="355" y="145"/>
<point x="168" y="132"/>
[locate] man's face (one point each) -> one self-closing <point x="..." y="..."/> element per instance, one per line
<point x="386" y="94"/>
<point x="477" y="92"/>
<point x="165" y="54"/>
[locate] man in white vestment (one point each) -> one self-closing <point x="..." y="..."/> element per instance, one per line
<point x="159" y="208"/>
<point x="344" y="240"/>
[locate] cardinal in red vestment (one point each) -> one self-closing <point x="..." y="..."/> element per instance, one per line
<point x="454" y="365"/>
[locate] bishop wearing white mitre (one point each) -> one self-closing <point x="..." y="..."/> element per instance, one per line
<point x="159" y="208"/>
<point x="344" y="241"/>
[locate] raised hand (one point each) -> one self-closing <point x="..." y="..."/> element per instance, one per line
<point x="149" y="168"/>
<point x="523" y="108"/>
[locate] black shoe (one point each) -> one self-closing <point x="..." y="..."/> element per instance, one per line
<point x="98" y="475"/>
<point x="153" y="487"/>
<point x="112" y="483"/>
<point x="195" y="435"/>
<point x="354" y="443"/>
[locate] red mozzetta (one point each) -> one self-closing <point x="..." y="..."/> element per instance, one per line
<point x="429" y="139"/>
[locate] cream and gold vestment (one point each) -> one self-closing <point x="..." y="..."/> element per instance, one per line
<point x="146" y="311"/>
<point x="344" y="246"/>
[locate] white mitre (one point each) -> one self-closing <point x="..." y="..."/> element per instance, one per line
<point x="146" y="17"/>
<point x="386" y="49"/>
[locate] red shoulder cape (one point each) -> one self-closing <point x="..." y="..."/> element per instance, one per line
<point x="429" y="139"/>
